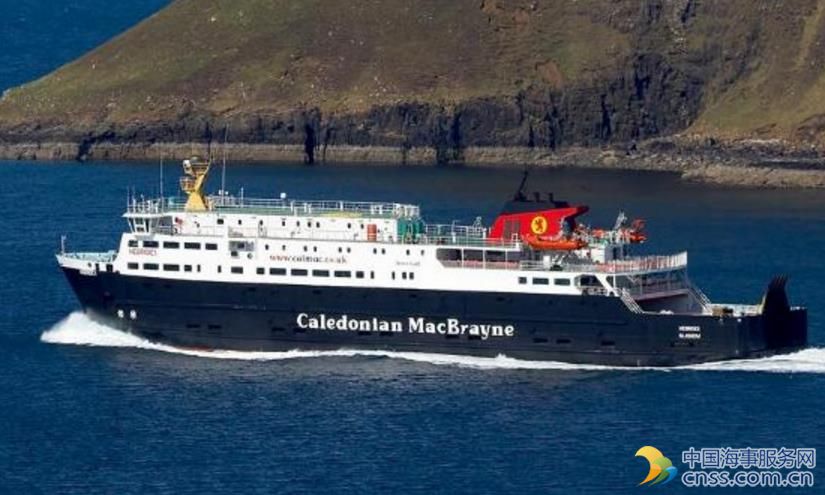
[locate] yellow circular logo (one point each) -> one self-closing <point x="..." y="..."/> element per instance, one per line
<point x="538" y="225"/>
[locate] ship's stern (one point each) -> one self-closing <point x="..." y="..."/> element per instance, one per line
<point x="784" y="328"/>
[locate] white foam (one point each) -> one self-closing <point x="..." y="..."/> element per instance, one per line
<point x="78" y="329"/>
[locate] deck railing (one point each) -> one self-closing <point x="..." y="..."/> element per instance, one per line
<point x="344" y="236"/>
<point x="640" y="264"/>
<point x="280" y="207"/>
<point x="106" y="257"/>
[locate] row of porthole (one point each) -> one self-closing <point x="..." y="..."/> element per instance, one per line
<point x="544" y="281"/>
<point x="283" y="223"/>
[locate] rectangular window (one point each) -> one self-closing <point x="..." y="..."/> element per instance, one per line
<point x="562" y="281"/>
<point x="132" y="266"/>
<point x="171" y="245"/>
<point x="299" y="273"/>
<point x="260" y="271"/>
<point x="522" y="280"/>
<point x="541" y="281"/>
<point x="237" y="269"/>
<point x="171" y="268"/>
<point x="343" y="274"/>
<point x="444" y="254"/>
<point x="191" y="245"/>
<point x="473" y="255"/>
<point x="150" y="266"/>
<point x="211" y="247"/>
<point x="359" y="274"/>
<point x="412" y="276"/>
<point x="320" y="273"/>
<point x="133" y="243"/>
<point x="277" y="271"/>
<point x="150" y="244"/>
<point x="187" y="268"/>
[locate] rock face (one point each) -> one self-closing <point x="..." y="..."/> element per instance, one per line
<point x="428" y="74"/>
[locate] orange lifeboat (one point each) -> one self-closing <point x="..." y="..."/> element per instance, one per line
<point x="635" y="233"/>
<point x="559" y="244"/>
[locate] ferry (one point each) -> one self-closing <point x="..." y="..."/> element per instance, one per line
<point x="236" y="273"/>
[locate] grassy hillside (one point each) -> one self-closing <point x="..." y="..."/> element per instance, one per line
<point x="525" y="72"/>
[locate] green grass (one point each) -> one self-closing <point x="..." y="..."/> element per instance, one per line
<point x="761" y="63"/>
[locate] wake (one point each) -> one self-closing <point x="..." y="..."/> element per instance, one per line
<point x="78" y="329"/>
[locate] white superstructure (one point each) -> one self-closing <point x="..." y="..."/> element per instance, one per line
<point x="370" y="244"/>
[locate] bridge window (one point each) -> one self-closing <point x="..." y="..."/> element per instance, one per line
<point x="150" y="244"/>
<point x="133" y="243"/>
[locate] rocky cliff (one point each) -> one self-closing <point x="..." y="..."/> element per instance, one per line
<point x="442" y="76"/>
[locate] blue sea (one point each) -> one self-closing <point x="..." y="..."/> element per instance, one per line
<point x="85" y="409"/>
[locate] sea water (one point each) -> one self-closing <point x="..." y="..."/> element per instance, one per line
<point x="87" y="409"/>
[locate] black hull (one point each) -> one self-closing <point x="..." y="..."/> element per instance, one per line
<point x="573" y="329"/>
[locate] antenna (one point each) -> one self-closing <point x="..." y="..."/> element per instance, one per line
<point x="519" y="195"/>
<point x="223" y="168"/>
<point x="161" y="174"/>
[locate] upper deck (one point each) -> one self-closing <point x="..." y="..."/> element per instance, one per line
<point x="277" y="207"/>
